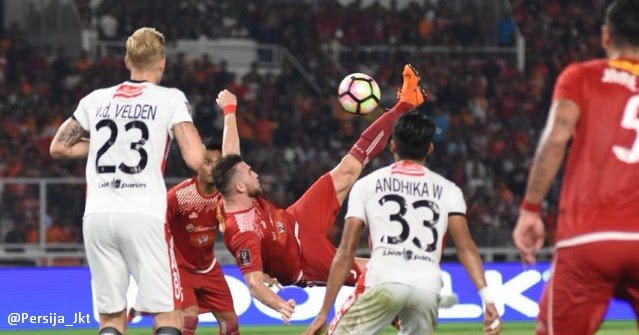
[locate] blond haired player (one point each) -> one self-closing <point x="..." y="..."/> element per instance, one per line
<point x="130" y="127"/>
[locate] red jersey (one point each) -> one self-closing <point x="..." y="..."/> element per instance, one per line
<point x="191" y="216"/>
<point x="262" y="238"/>
<point x="600" y="192"/>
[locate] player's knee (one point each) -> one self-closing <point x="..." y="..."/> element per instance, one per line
<point x="167" y="331"/>
<point x="109" y="331"/>
<point x="229" y="326"/>
<point x="190" y="313"/>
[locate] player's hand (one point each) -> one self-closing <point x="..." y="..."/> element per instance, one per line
<point x="286" y="309"/>
<point x="270" y="281"/>
<point x="227" y="101"/>
<point x="317" y="326"/>
<point x="492" y="323"/>
<point x="529" y="235"/>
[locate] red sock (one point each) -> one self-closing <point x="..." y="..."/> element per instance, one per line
<point x="190" y="323"/>
<point x="374" y="138"/>
<point x="229" y="327"/>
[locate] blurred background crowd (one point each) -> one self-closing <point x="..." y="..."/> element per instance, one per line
<point x="489" y="114"/>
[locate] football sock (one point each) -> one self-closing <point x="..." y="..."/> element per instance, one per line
<point x="109" y="331"/>
<point x="167" y="331"/>
<point x="374" y="138"/>
<point x="228" y="328"/>
<point x="190" y="323"/>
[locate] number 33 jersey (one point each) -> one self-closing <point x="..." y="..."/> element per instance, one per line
<point x="406" y="207"/>
<point x="130" y="127"/>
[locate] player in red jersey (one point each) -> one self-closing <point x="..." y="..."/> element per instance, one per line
<point x="596" y="105"/>
<point x="191" y="216"/>
<point x="291" y="245"/>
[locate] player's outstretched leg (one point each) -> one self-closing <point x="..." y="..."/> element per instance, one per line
<point x="374" y="138"/>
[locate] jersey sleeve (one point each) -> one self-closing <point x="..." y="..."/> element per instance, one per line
<point x="357" y="202"/>
<point x="180" y="110"/>
<point x="569" y="85"/>
<point x="171" y="206"/>
<point x="81" y="113"/>
<point x="456" y="202"/>
<point x="246" y="248"/>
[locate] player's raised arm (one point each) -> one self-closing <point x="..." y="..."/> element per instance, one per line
<point x="529" y="234"/>
<point x="230" y="139"/>
<point x="259" y="290"/>
<point x="68" y="142"/>
<point x="469" y="257"/>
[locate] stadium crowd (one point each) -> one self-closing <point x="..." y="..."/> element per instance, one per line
<point x="488" y="113"/>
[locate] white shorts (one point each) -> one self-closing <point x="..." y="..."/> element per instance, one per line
<point x="374" y="310"/>
<point x="119" y="244"/>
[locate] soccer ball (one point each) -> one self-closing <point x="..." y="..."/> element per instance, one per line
<point x="358" y="93"/>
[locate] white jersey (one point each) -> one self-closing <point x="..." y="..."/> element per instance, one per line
<point x="406" y="207"/>
<point x="130" y="125"/>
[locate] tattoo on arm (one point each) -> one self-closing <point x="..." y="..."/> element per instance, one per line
<point x="550" y="153"/>
<point x="565" y="123"/>
<point x="181" y="127"/>
<point x="71" y="134"/>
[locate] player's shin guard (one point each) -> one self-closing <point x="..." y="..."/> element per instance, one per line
<point x="190" y="324"/>
<point x="109" y="331"/>
<point x="167" y="331"/>
<point x="374" y="138"/>
<point x="229" y="327"/>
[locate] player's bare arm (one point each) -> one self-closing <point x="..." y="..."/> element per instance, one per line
<point x="529" y="234"/>
<point x="68" y="141"/>
<point x="259" y="290"/>
<point x="190" y="144"/>
<point x="342" y="264"/>
<point x="469" y="257"/>
<point x="563" y="117"/>
<point x="230" y="139"/>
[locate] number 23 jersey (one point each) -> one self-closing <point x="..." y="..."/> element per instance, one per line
<point x="406" y="207"/>
<point x="130" y="126"/>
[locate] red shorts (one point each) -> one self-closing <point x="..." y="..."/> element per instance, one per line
<point x="584" y="279"/>
<point x="209" y="291"/>
<point x="315" y="213"/>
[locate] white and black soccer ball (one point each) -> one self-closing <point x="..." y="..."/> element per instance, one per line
<point x="358" y="93"/>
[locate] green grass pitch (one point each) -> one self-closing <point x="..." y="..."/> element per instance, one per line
<point x="509" y="328"/>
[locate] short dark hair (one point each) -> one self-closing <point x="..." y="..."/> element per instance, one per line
<point x="413" y="134"/>
<point x="622" y="19"/>
<point x="224" y="171"/>
<point x="211" y="144"/>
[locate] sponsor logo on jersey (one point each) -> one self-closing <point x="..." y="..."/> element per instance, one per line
<point x="190" y="228"/>
<point x="244" y="257"/>
<point x="203" y="239"/>
<point x="193" y="215"/>
<point x="116" y="183"/>
<point x="129" y="91"/>
<point x="407" y="254"/>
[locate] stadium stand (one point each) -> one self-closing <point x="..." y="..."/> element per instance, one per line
<point x="488" y="112"/>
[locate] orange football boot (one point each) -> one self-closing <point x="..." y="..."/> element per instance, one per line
<point x="411" y="92"/>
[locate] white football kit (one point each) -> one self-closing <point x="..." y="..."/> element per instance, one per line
<point x="130" y="127"/>
<point x="406" y="207"/>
